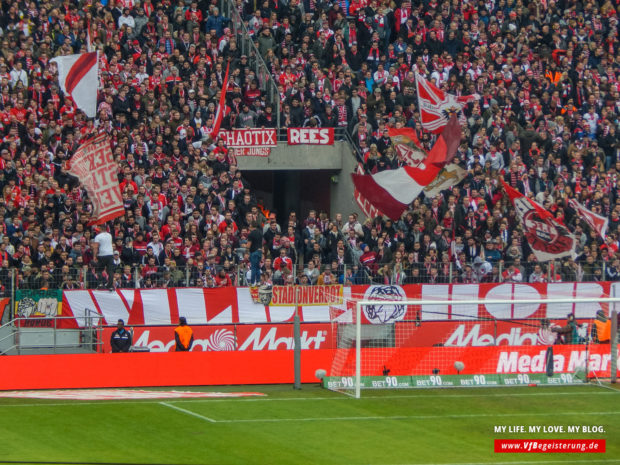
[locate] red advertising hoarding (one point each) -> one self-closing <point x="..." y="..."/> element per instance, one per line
<point x="231" y="337"/>
<point x="276" y="366"/>
<point x="501" y="360"/>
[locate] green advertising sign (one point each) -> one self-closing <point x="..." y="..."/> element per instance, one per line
<point x="433" y="381"/>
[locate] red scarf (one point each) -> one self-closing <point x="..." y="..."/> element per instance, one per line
<point x="352" y="36"/>
<point x="342" y="115"/>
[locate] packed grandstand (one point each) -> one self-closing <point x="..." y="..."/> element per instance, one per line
<point x="545" y="122"/>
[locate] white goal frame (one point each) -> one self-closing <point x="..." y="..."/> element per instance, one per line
<point x="359" y="304"/>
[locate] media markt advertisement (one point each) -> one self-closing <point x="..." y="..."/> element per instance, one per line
<point x="37" y="307"/>
<point x="221" y="338"/>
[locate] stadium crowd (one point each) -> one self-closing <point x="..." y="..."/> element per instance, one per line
<point x="546" y="121"/>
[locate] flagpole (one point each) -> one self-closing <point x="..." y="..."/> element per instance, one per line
<point x="98" y="81"/>
<point x="89" y="45"/>
<point x="89" y="49"/>
<point x="221" y="107"/>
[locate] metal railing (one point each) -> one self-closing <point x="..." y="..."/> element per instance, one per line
<point x="209" y="275"/>
<point x="49" y="335"/>
<point x="264" y="75"/>
<point x="257" y="64"/>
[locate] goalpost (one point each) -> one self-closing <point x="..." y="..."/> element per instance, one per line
<point x="387" y="343"/>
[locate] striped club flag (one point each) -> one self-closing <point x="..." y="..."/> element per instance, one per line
<point x="436" y="106"/>
<point x="392" y="191"/>
<point x="78" y="77"/>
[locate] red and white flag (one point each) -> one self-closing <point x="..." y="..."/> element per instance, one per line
<point x="436" y="106"/>
<point x="597" y="222"/>
<point x="94" y="165"/>
<point x="405" y="135"/>
<point x="78" y="76"/>
<point x="221" y="106"/>
<point x="365" y="205"/>
<point x="548" y="238"/>
<point x="392" y="191"/>
<point x="407" y="146"/>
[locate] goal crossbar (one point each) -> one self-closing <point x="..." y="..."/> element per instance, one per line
<point x="541" y="301"/>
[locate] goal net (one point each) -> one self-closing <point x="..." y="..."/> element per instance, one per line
<point x="388" y="342"/>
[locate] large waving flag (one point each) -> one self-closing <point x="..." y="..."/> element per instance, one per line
<point x="436" y="106"/>
<point x="597" y="222"/>
<point x="547" y="238"/>
<point x="221" y="106"/>
<point x="392" y="191"/>
<point x="78" y="76"/>
<point x="449" y="176"/>
<point x="407" y="146"/>
<point x="93" y="164"/>
<point x="404" y="135"/>
<point x="365" y="205"/>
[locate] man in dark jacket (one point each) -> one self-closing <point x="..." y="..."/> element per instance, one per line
<point x="121" y="338"/>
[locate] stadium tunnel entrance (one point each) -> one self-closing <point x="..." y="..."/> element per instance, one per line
<point x="293" y="190"/>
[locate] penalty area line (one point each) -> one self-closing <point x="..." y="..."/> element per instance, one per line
<point x="596" y="391"/>
<point x="409" y="417"/>
<point x="187" y="412"/>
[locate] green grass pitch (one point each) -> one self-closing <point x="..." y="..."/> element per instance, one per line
<point x="308" y="426"/>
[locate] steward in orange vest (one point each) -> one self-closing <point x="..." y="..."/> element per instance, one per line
<point x="601" y="329"/>
<point x="184" y="336"/>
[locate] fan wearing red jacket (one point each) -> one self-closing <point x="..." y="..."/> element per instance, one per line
<point x="283" y="261"/>
<point x="401" y="15"/>
<point x="368" y="258"/>
<point x="193" y="13"/>
<point x="222" y="279"/>
<point x="228" y="221"/>
<point x="19" y="112"/>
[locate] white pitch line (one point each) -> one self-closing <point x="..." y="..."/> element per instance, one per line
<point x="605" y="386"/>
<point x="188" y="412"/>
<point x="410" y="417"/>
<point x="304" y="399"/>
<point x="414" y="396"/>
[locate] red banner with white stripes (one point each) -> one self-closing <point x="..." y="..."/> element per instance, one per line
<point x="230" y="305"/>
